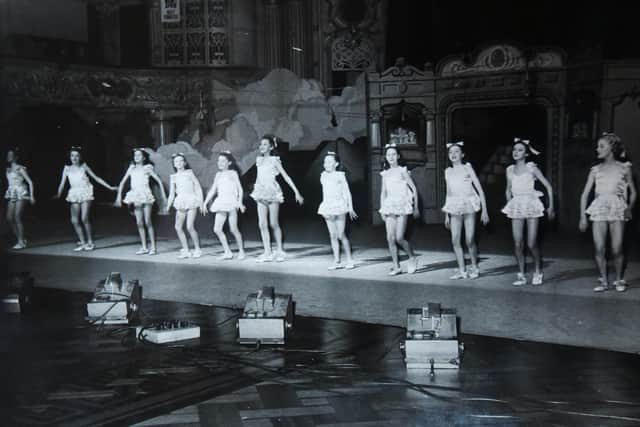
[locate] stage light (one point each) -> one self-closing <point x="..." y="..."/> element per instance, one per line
<point x="267" y="318"/>
<point x="19" y="295"/>
<point x="432" y="338"/>
<point x="115" y="302"/>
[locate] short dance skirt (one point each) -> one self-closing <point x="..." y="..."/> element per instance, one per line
<point x="267" y="193"/>
<point x="459" y="205"/>
<point x="139" y="197"/>
<point x="524" y="206"/>
<point x="222" y="205"/>
<point x="80" y="194"/>
<point x="396" y="206"/>
<point x="186" y="202"/>
<point x="333" y="208"/>
<point x="607" y="207"/>
<point x="17" y="193"/>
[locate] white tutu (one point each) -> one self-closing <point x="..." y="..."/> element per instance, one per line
<point x="607" y="207"/>
<point x="396" y="206"/>
<point x="333" y="208"/>
<point x="267" y="193"/>
<point x="80" y="194"/>
<point x="186" y="202"/>
<point x="17" y="193"/>
<point x="222" y="205"/>
<point x="139" y="197"/>
<point x="455" y="205"/>
<point x="523" y="206"/>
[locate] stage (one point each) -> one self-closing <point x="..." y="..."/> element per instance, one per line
<point x="564" y="310"/>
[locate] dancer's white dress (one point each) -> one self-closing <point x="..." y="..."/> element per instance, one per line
<point x="266" y="189"/>
<point x="461" y="198"/>
<point x="80" y="188"/>
<point x="17" y="188"/>
<point x="228" y="198"/>
<point x="610" y="202"/>
<point x="525" y="202"/>
<point x="335" y="194"/>
<point x="399" y="198"/>
<point x="186" y="191"/>
<point x="140" y="192"/>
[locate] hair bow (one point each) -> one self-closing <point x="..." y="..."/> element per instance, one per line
<point x="528" y="144"/>
<point x="458" y="143"/>
<point x="226" y="152"/>
<point x="75" y="148"/>
<point x="174" y="155"/>
<point x="331" y="153"/>
<point x="392" y="145"/>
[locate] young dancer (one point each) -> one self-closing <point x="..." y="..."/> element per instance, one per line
<point x="615" y="195"/>
<point x="227" y="186"/>
<point x="187" y="202"/>
<point x="80" y="196"/>
<point x="524" y="206"/>
<point x="19" y="192"/>
<point x="268" y="196"/>
<point x="141" y="198"/>
<point x="464" y="198"/>
<point x="336" y="204"/>
<point x="398" y="200"/>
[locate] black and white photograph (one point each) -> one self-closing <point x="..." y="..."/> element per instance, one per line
<point x="319" y="213"/>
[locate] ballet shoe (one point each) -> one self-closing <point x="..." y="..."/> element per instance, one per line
<point x="521" y="280"/>
<point x="225" y="256"/>
<point x="184" y="253"/>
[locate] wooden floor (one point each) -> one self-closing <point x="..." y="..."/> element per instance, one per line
<point x="60" y="370"/>
<point x="564" y="310"/>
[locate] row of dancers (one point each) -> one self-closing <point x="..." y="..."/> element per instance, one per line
<point x="615" y="196"/>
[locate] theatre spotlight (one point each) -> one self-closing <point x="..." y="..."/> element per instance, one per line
<point x="432" y="338"/>
<point x="267" y="318"/>
<point x="18" y="296"/>
<point x="115" y="302"/>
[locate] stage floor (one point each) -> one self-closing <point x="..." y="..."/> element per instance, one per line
<point x="564" y="310"/>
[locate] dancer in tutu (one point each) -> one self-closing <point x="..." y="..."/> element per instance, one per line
<point x="19" y="192"/>
<point x="80" y="196"/>
<point x="524" y="206"/>
<point x="615" y="196"/>
<point x="185" y="195"/>
<point x="140" y="197"/>
<point x="227" y="186"/>
<point x="336" y="204"/>
<point x="268" y="196"/>
<point x="465" y="198"/>
<point x="398" y="200"/>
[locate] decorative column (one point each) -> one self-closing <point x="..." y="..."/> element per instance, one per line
<point x="161" y="128"/>
<point x="273" y="34"/>
<point x="374" y="130"/>
<point x="296" y="46"/>
<point x="109" y="13"/>
<point x="155" y="33"/>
